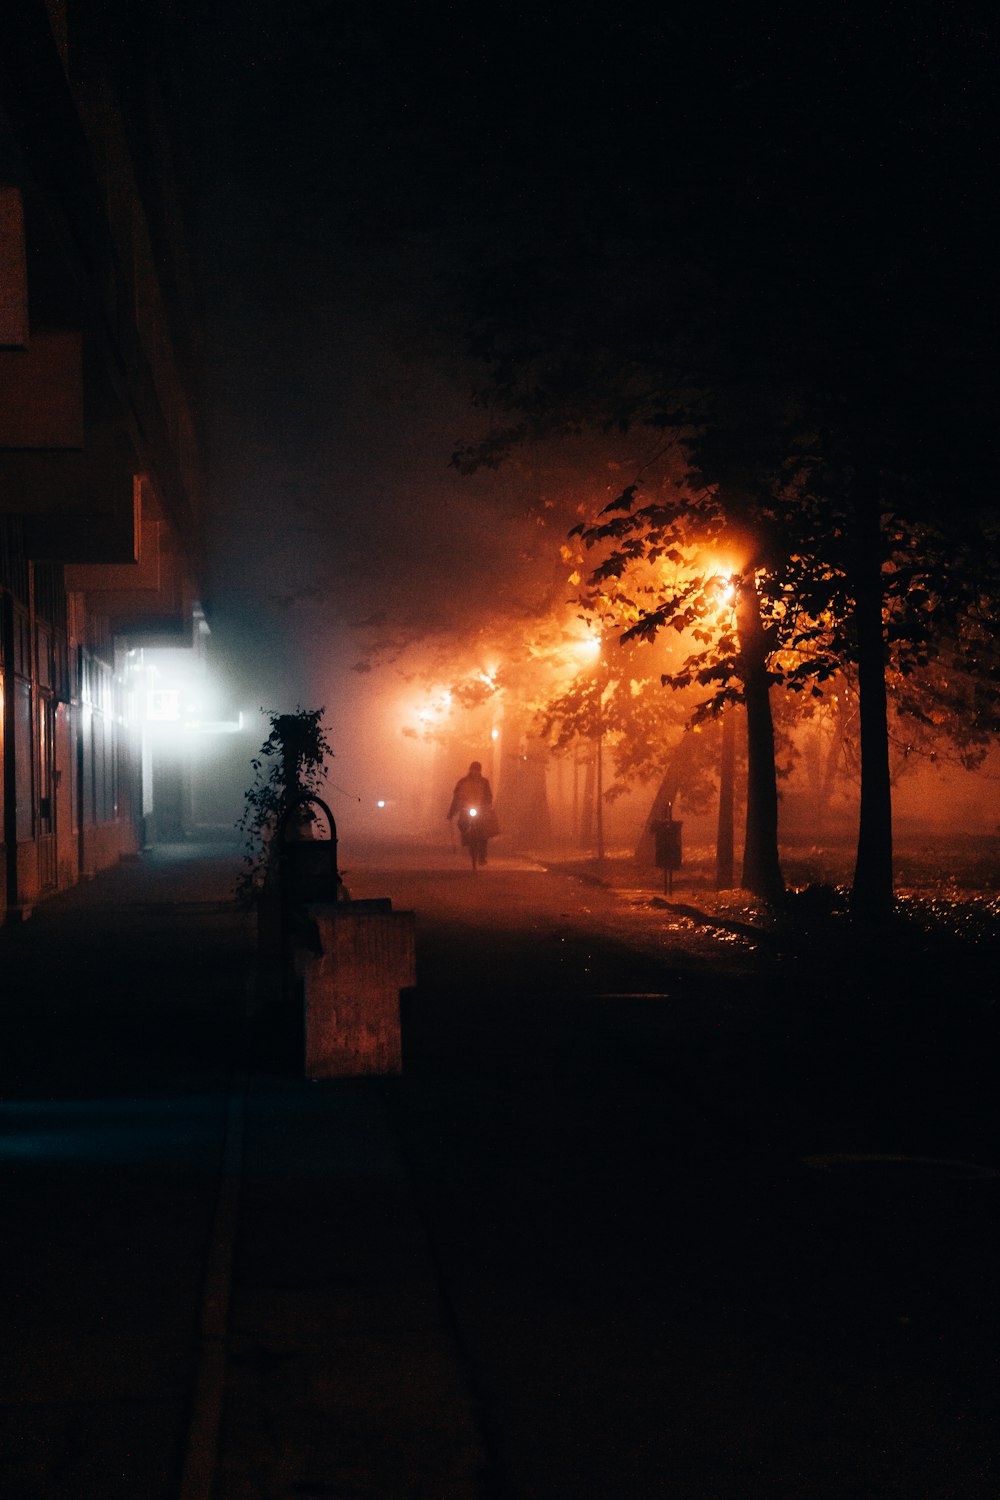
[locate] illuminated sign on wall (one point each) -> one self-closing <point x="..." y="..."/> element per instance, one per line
<point x="163" y="705"/>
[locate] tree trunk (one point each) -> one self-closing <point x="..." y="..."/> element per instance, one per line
<point x="585" y="826"/>
<point x="761" y="862"/>
<point x="871" y="897"/>
<point x="724" y="864"/>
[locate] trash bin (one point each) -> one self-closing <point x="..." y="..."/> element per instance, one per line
<point x="667" y="833"/>
<point x="307" y="867"/>
<point x="347" y="962"/>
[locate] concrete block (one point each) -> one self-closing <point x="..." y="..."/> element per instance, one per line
<point x="366" y="956"/>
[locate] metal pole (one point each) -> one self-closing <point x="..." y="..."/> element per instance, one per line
<point x="724" y="868"/>
<point x="600" y="783"/>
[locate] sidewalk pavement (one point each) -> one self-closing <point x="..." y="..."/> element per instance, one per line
<point x="632" y="1222"/>
<point x="216" y="1280"/>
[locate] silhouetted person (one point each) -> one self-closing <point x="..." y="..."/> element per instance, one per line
<point x="471" y="801"/>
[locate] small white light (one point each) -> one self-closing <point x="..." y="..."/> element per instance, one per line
<point x="380" y="802"/>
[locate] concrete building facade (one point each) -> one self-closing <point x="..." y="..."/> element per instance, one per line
<point x="101" y="482"/>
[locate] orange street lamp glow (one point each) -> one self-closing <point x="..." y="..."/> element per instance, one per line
<point x="590" y="646"/>
<point x="723" y="583"/>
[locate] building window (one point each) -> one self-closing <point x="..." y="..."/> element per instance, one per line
<point x="24" y="783"/>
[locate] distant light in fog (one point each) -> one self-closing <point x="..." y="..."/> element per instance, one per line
<point x="494" y="734"/>
<point x="724" y="576"/>
<point x="163" y="705"/>
<point x="173" y="696"/>
<point x="436" y="708"/>
<point x="380" y="802"/>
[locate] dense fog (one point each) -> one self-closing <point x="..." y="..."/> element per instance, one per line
<point x="344" y="171"/>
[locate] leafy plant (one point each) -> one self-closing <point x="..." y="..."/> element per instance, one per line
<point x="289" y="764"/>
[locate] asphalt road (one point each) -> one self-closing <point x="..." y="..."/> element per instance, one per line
<point x="626" y="1226"/>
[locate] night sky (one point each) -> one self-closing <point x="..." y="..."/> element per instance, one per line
<point x="353" y="167"/>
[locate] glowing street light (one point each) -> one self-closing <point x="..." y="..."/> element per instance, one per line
<point x="588" y="646"/>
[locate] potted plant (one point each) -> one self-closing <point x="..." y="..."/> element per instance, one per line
<point x="290" y="765"/>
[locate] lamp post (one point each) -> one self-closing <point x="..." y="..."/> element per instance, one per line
<point x="599" y="810"/>
<point x="724" y="862"/>
<point x="592" y="646"/>
<point x="602" y="673"/>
